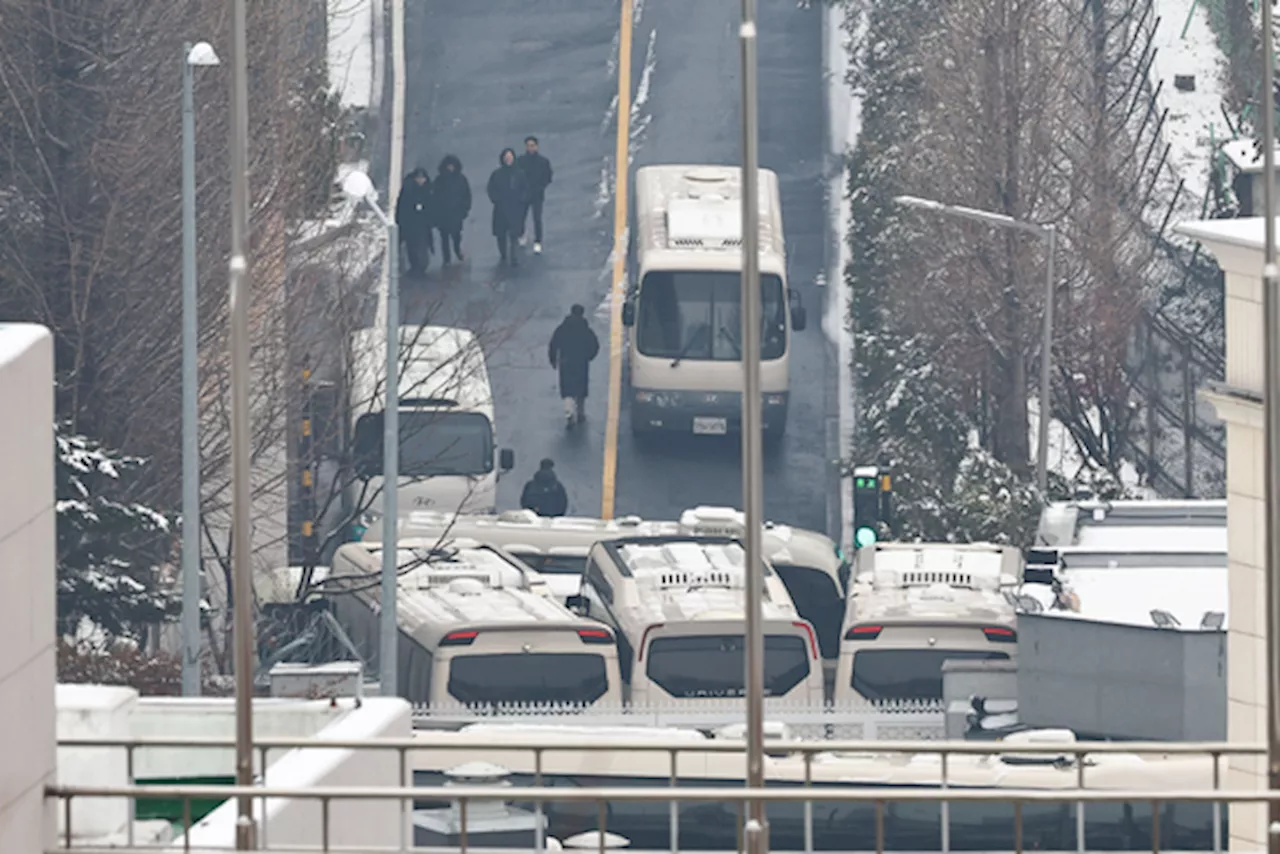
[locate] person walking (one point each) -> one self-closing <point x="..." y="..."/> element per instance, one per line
<point x="452" y="203"/>
<point x="415" y="221"/>
<point x="508" y="190"/>
<point x="573" y="346"/>
<point x="544" y="493"/>
<point x="537" y="172"/>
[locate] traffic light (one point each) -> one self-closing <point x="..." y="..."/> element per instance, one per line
<point x="866" y="506"/>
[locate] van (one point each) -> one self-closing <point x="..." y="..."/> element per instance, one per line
<point x="448" y="456"/>
<point x="477" y="629"/>
<point x="677" y="605"/>
<point x="913" y="606"/>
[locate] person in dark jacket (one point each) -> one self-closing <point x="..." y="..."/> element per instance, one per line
<point x="452" y="203"/>
<point x="573" y="346"/>
<point x="508" y="191"/>
<point x="415" y="220"/>
<point x="537" y="172"/>
<point x="544" y="493"/>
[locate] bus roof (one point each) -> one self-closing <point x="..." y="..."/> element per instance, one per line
<point x="441" y="367"/>
<point x="688" y="579"/>
<point x="906" y="582"/>
<point x="690" y="214"/>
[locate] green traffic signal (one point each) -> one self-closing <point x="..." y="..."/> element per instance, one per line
<point x="864" y="537"/>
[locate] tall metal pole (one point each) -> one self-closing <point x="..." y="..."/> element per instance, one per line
<point x="1271" y="402"/>
<point x="756" y="832"/>
<point x="388" y="659"/>
<point x="190" y="396"/>
<point x="241" y="497"/>
<point x="1046" y="365"/>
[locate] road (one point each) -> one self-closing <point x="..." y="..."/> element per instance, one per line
<point x="482" y="76"/>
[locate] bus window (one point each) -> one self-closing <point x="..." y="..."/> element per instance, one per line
<point x="522" y="677"/>
<point x="554" y="564"/>
<point x="907" y="674"/>
<point x="696" y="316"/>
<point x="818" y="600"/>
<point x="692" y="666"/>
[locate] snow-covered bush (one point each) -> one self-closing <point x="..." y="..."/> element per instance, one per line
<point x="111" y="553"/>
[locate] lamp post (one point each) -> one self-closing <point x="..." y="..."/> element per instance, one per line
<point x="1271" y="420"/>
<point x="756" y="831"/>
<point x="359" y="187"/>
<point x="1048" y="233"/>
<point x="200" y="54"/>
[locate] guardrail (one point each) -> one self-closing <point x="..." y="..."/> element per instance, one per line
<point x="539" y="794"/>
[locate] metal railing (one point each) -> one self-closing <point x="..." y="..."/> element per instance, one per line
<point x="539" y="794"/>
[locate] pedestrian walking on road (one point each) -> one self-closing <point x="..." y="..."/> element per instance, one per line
<point x="415" y="220"/>
<point x="573" y="346"/>
<point x="452" y="203"/>
<point x="544" y="493"/>
<point x="508" y="191"/>
<point x="537" y="172"/>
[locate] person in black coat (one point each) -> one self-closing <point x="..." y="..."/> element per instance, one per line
<point x="573" y="346"/>
<point x="415" y="220"/>
<point x="537" y="172"/>
<point x="544" y="493"/>
<point x="452" y="203"/>
<point x="508" y="191"/>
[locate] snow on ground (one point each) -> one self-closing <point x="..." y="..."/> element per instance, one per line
<point x="1194" y="118"/>
<point x="351" y="67"/>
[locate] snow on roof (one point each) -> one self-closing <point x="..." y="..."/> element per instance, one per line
<point x="1191" y="115"/>
<point x="1244" y="232"/>
<point x="1129" y="595"/>
<point x="1150" y="538"/>
<point x="18" y="338"/>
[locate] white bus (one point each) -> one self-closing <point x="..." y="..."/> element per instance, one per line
<point x="683" y="306"/>
<point x="913" y="606"/>
<point x="677" y="605"/>
<point x="448" y="457"/>
<point x="809" y="563"/>
<point x="477" y="629"/>
<point x="837" y="825"/>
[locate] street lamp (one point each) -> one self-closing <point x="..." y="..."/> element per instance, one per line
<point x="201" y="54"/>
<point x="1049" y="233"/>
<point x="358" y="187"/>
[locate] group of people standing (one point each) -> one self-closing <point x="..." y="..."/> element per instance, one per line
<point x="516" y="189"/>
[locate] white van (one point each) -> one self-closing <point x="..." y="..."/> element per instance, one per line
<point x="477" y="629"/>
<point x="684" y="303"/>
<point x="913" y="606"/>
<point x="677" y="605"/>
<point x="809" y="563"/>
<point x="447" y="447"/>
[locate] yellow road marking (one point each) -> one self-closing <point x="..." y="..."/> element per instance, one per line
<point x="619" y="264"/>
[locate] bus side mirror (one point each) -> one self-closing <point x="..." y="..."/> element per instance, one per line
<point x="628" y="313"/>
<point x="506" y="459"/>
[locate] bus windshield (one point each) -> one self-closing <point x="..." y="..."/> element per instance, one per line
<point x="697" y="315"/>
<point x="431" y="443"/>
<point x="908" y="674"/>
<point x="522" y="678"/>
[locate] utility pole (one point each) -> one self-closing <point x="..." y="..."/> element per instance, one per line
<point x="756" y="832"/>
<point x="241" y="496"/>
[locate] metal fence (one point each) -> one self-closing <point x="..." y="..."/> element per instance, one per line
<point x="1073" y="756"/>
<point x="863" y="720"/>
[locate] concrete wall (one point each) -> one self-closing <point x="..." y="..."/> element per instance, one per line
<point x="1167" y="685"/>
<point x="27" y="579"/>
<point x="298" y="823"/>
<point x="1237" y="246"/>
<point x="94" y="711"/>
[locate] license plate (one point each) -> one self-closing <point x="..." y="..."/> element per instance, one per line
<point x="710" y="426"/>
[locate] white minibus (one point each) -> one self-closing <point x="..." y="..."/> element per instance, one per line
<point x="684" y="303"/>
<point x="447" y="446"/>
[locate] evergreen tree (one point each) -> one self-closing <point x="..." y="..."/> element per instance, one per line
<point x="110" y="552"/>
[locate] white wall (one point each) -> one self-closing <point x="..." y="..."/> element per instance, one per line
<point x="215" y="717"/>
<point x="1237" y="245"/>
<point x="297" y="823"/>
<point x="27" y="606"/>
<point x="94" y="711"/>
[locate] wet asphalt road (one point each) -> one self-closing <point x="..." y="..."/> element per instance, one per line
<point x="481" y="76"/>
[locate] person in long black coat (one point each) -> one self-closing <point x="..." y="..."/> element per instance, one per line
<point x="573" y="346"/>
<point x="414" y="217"/>
<point x="452" y="202"/>
<point x="508" y="190"/>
